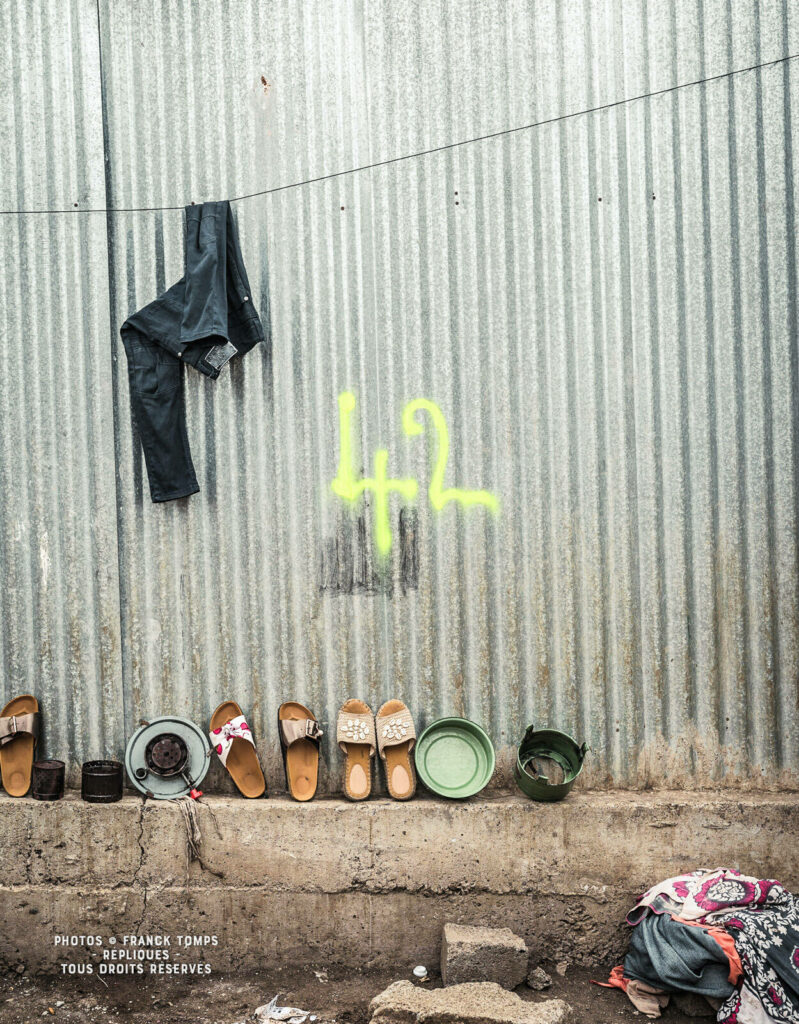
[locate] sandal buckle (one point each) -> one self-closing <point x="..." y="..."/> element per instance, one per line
<point x="13" y="720"/>
<point x="312" y="729"/>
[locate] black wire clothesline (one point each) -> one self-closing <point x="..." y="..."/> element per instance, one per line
<point x="434" y="149"/>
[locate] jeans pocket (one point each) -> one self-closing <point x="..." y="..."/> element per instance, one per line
<point x="154" y="370"/>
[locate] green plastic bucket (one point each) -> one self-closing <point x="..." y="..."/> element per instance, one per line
<point x="548" y="763"/>
<point x="454" y="758"/>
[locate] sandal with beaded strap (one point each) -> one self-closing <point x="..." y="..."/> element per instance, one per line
<point x="355" y="733"/>
<point x="396" y="737"/>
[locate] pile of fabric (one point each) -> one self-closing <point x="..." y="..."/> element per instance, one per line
<point x="720" y="934"/>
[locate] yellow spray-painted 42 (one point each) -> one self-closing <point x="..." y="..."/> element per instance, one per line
<point x="349" y="487"/>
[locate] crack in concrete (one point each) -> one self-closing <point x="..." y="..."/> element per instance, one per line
<point x="142" y="853"/>
<point x="29" y="842"/>
<point x="139" y="840"/>
<point x="270" y="889"/>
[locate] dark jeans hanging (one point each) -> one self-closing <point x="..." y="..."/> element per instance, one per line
<point x="204" y="319"/>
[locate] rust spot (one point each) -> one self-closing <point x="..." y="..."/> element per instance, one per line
<point x="457" y="696"/>
<point x="267" y="85"/>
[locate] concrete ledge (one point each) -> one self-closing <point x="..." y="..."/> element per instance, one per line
<point x="369" y="884"/>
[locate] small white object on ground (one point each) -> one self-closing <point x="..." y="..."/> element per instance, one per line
<point x="420" y="972"/>
<point x="562" y="967"/>
<point x="272" y="1012"/>
<point x="321" y="976"/>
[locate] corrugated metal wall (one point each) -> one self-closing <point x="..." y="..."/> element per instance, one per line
<point x="60" y="624"/>
<point x="604" y="308"/>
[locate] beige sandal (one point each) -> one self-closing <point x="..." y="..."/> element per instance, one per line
<point x="299" y="741"/>
<point x="19" y="733"/>
<point x="355" y="733"/>
<point x="396" y="737"/>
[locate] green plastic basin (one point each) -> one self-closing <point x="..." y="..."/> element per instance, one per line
<point x="454" y="758"/>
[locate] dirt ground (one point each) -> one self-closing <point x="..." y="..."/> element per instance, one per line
<point x="228" y="999"/>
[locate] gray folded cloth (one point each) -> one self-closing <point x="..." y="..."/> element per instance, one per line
<point x="677" y="957"/>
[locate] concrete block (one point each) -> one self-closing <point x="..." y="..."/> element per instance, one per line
<point x="470" y="953"/>
<point x="475" y="1003"/>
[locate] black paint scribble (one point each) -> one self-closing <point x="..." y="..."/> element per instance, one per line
<point x="348" y="564"/>
<point x="409" y="549"/>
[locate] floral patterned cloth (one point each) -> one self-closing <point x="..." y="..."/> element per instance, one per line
<point x="763" y="919"/>
<point x="222" y="738"/>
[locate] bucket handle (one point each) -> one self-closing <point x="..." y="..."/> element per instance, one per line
<point x="582" y="747"/>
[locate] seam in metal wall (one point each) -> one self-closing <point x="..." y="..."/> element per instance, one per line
<point x="604" y="308"/>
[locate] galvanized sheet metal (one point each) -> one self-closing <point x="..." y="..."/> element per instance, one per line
<point x="603" y="307"/>
<point x="59" y="603"/>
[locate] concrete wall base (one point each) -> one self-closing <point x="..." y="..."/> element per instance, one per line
<point x="368" y="884"/>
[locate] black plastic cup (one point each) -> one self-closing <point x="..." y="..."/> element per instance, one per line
<point x="48" y="780"/>
<point x="101" y="782"/>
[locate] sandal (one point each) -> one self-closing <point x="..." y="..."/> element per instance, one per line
<point x="396" y="737"/>
<point x="355" y="732"/>
<point x="232" y="739"/>
<point x="299" y="741"/>
<point x="19" y="734"/>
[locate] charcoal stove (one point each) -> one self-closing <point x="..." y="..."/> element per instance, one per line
<point x="167" y="757"/>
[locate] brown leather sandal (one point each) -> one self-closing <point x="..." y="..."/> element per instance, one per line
<point x="299" y="742"/>
<point x="355" y="732"/>
<point x="19" y="733"/>
<point x="232" y="740"/>
<point x="396" y="737"/>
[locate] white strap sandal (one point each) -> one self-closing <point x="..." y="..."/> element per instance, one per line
<point x="232" y="740"/>
<point x="396" y="737"/>
<point x="355" y="734"/>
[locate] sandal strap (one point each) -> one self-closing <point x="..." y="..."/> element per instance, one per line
<point x="395" y="729"/>
<point x="15" y="725"/>
<point x="356" y="727"/>
<point x="222" y="737"/>
<point x="295" y="729"/>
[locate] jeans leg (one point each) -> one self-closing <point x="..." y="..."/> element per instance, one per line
<point x="158" y="405"/>
<point x="205" y="299"/>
